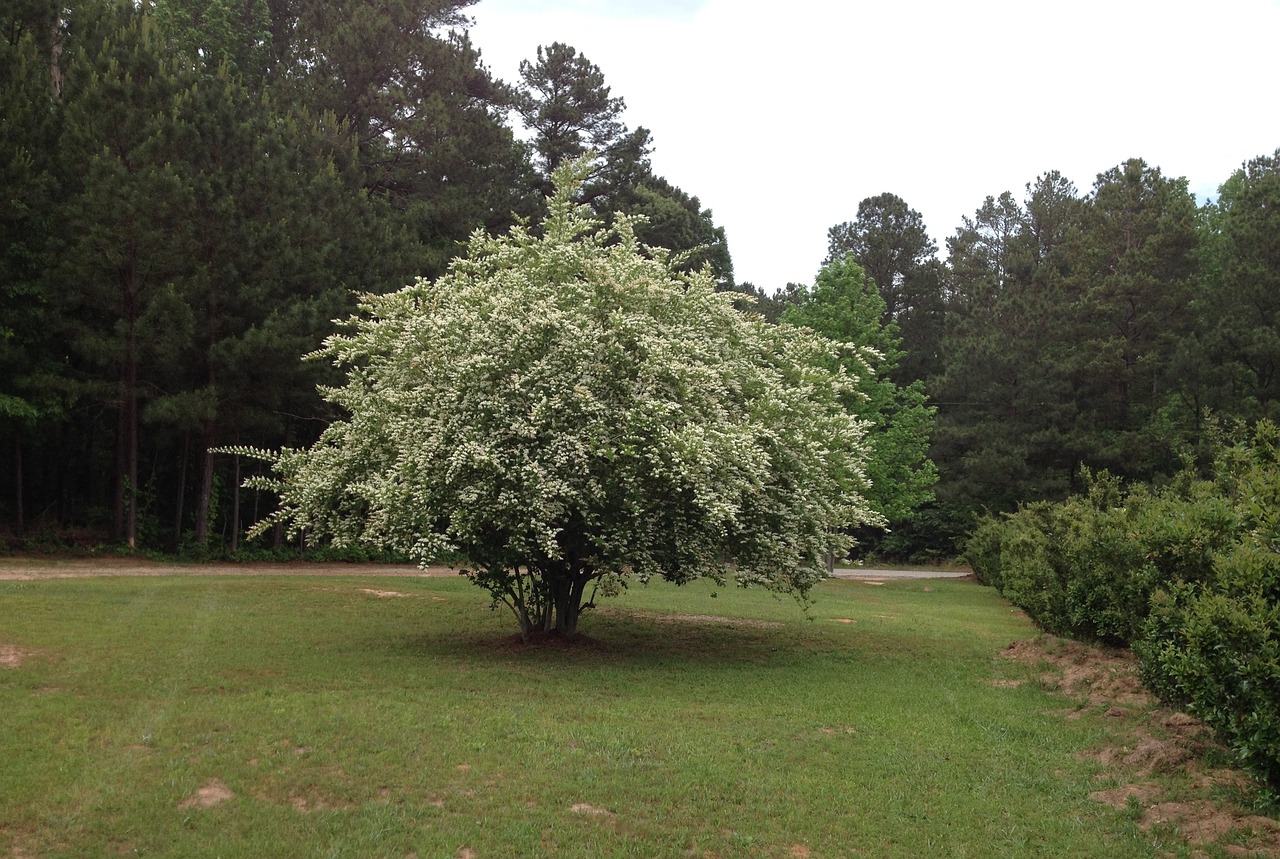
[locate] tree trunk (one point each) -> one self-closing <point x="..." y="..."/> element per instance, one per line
<point x="118" y="495"/>
<point x="131" y="522"/>
<point x="182" y="489"/>
<point x="235" y="509"/>
<point x="568" y="592"/>
<point x="17" y="487"/>
<point x="55" y="56"/>
<point x="206" y="487"/>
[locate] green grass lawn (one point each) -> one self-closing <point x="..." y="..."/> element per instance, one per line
<point x="346" y="723"/>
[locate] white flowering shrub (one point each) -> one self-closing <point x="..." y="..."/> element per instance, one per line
<point x="565" y="410"/>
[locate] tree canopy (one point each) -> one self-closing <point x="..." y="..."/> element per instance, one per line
<point x="194" y="190"/>
<point x="845" y="305"/>
<point x="563" y="409"/>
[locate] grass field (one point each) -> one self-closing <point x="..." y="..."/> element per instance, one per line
<point x="365" y="717"/>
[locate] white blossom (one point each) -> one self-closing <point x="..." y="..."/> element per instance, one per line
<point x="563" y="406"/>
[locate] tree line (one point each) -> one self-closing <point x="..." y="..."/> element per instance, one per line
<point x="194" y="190"/>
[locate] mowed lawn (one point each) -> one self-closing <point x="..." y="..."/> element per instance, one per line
<point x="371" y="717"/>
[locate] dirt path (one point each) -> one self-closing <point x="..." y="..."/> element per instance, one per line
<point x="870" y="573"/>
<point x="28" y="568"/>
<point x="31" y="568"/>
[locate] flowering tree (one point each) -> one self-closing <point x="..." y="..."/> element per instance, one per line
<point x="565" y="410"/>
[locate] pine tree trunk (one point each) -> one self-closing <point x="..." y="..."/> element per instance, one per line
<point x="122" y="423"/>
<point x="235" y="509"/>
<point x="21" y="522"/>
<point x="131" y="393"/>
<point x="182" y="489"/>
<point x="206" y="487"/>
<point x="55" y="56"/>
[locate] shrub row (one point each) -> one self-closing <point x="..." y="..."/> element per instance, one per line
<point x="1188" y="575"/>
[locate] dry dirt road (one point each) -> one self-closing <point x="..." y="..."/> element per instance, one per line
<point x="27" y="568"/>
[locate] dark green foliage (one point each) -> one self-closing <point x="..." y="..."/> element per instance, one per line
<point x="1236" y="357"/>
<point x="29" y="375"/>
<point x="1131" y="280"/>
<point x="1005" y="408"/>
<point x="888" y="239"/>
<point x="1217" y="654"/>
<point x="1076" y="336"/>
<point x="565" y="101"/>
<point x="196" y="190"/>
<point x="982" y="551"/>
<point x="1189" y="575"/>
<point x="1087" y="567"/>
<point x="1213" y="646"/>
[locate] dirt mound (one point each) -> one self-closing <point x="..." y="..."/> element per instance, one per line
<point x="1101" y="676"/>
<point x="1149" y="742"/>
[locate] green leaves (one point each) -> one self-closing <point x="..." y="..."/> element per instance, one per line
<point x="846" y="306"/>
<point x="1187" y="575"/>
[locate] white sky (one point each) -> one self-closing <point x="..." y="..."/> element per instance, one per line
<point x="781" y="117"/>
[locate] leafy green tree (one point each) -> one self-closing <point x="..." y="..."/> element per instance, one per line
<point x="889" y="240"/>
<point x="565" y="411"/>
<point x="844" y="305"/>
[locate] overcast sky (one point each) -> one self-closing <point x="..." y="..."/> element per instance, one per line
<point x="781" y="117"/>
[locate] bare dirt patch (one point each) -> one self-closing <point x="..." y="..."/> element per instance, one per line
<point x="383" y="594"/>
<point x="1150" y="743"/>
<point x="1143" y="794"/>
<point x="316" y="802"/>
<point x="211" y="793"/>
<point x="1203" y="822"/>
<point x="12" y="656"/>
<point x="1100" y="676"/>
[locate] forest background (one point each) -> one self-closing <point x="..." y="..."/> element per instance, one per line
<point x="194" y="191"/>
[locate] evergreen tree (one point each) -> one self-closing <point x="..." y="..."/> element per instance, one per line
<point x="1238" y="354"/>
<point x="126" y="228"/>
<point x="29" y="403"/>
<point x="1131" y="269"/>
<point x="1004" y="402"/>
<point x="888" y="239"/>
<point x="564" y="101"/>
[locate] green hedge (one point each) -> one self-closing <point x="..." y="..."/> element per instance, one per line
<point x="1089" y="566"/>
<point x="1189" y="575"/>
<point x="1213" y="646"/>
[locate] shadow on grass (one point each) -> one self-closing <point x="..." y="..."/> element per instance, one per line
<point x="635" y="639"/>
